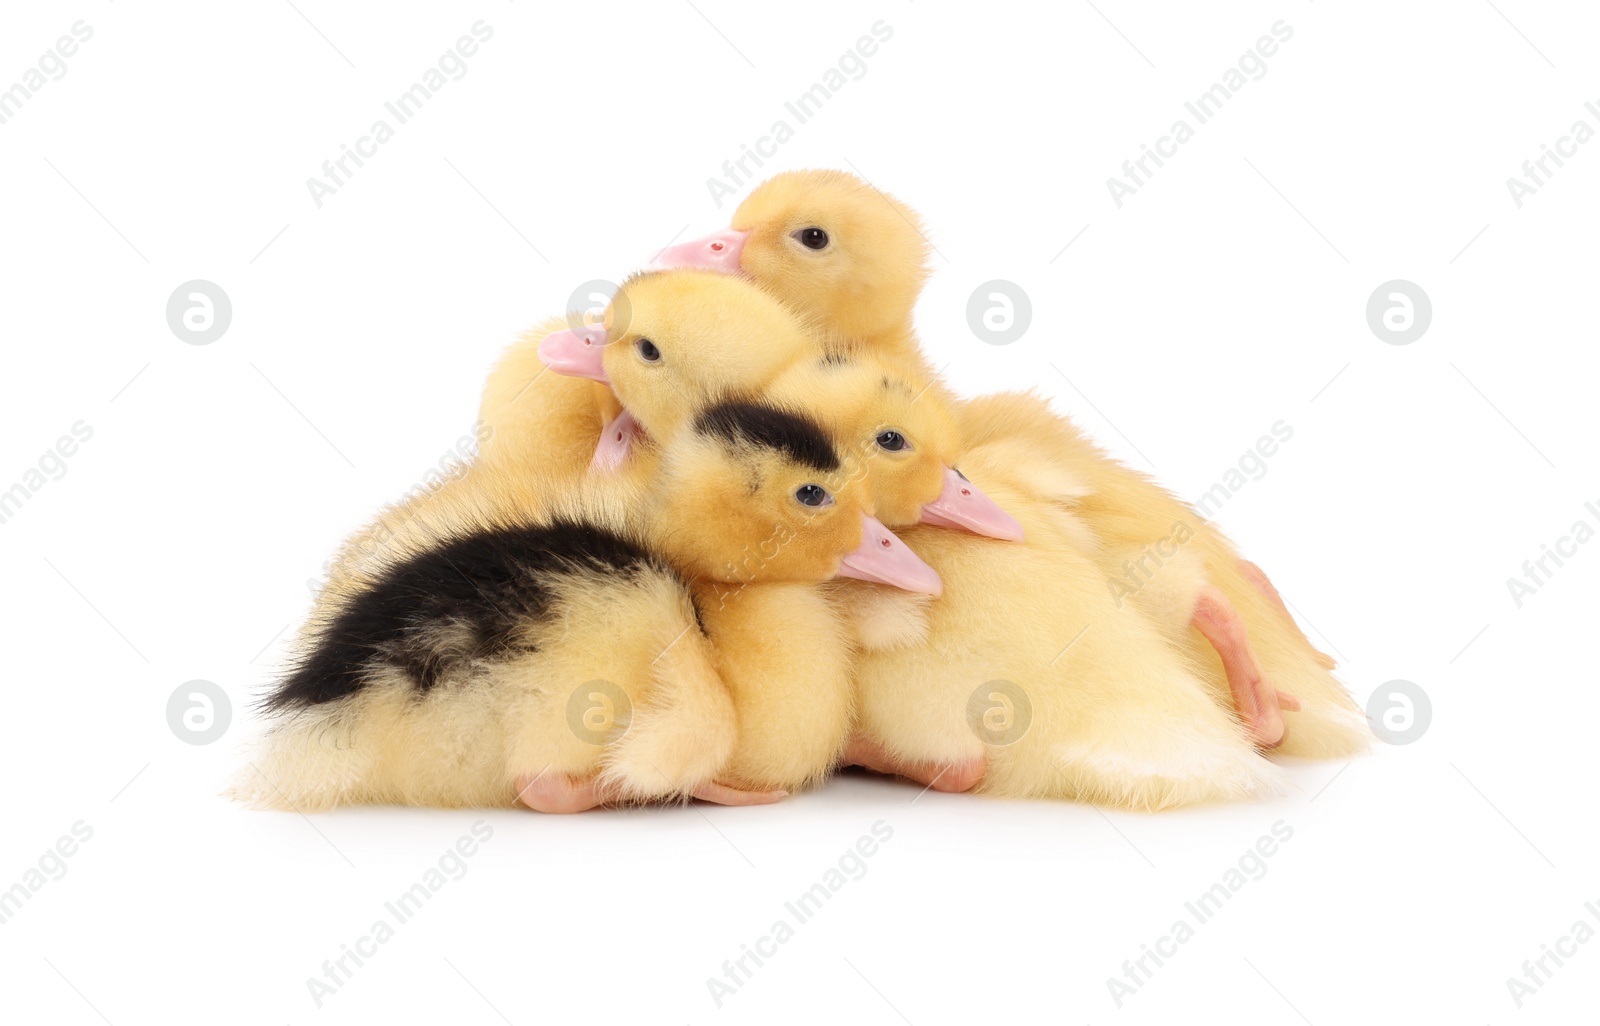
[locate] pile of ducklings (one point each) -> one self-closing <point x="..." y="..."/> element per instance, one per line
<point x="737" y="535"/>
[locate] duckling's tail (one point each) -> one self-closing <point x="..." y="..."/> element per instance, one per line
<point x="305" y="763"/>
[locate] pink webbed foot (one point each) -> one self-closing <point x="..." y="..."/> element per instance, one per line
<point x="558" y="793"/>
<point x="1259" y="705"/>
<point x="1258" y="577"/>
<point x="722" y="794"/>
<point x="952" y="777"/>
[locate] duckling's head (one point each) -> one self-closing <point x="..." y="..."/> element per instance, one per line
<point x="826" y="243"/>
<point x="751" y="491"/>
<point x="898" y="430"/>
<point x="673" y="342"/>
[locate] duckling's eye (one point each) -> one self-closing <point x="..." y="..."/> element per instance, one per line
<point x="813" y="495"/>
<point x="812" y="238"/>
<point x="647" y="350"/>
<point x="892" y="441"/>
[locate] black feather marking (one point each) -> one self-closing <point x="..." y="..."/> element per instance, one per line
<point x="742" y="422"/>
<point x="485" y="587"/>
<point x="889" y="384"/>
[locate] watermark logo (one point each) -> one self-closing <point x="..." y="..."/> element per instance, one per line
<point x="999" y="713"/>
<point x="999" y="312"/>
<point x="199" y="712"/>
<point x="588" y="304"/>
<point x="1400" y="712"/>
<point x="198" y="312"/>
<point x="1398" y="312"/>
<point x="599" y="713"/>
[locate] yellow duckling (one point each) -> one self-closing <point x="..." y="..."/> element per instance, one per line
<point x="786" y="651"/>
<point x="1110" y="712"/>
<point x="1033" y="682"/>
<point x="505" y="660"/>
<point x="831" y="246"/>
<point x="546" y="423"/>
<point x="901" y="427"/>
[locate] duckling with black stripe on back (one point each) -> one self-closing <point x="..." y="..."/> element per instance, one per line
<point x="446" y="679"/>
<point x="686" y="338"/>
<point x="539" y="439"/>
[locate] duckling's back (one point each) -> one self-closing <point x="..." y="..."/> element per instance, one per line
<point x="449" y="674"/>
<point x="1077" y="695"/>
<point x="478" y="597"/>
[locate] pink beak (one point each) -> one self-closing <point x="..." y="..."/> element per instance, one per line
<point x="961" y="505"/>
<point x="576" y="352"/>
<point x="885" y="559"/>
<point x="616" y="444"/>
<point x="718" y="251"/>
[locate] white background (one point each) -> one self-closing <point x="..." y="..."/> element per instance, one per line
<point x="1227" y="294"/>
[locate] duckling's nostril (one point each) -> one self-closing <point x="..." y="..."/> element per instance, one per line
<point x="886" y="543"/>
<point x="967" y="492"/>
<point x="717" y="247"/>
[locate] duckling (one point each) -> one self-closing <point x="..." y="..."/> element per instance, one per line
<point x="454" y="676"/>
<point x="902" y="427"/>
<point x="900" y="432"/>
<point x="834" y="247"/>
<point x="786" y="651"/>
<point x="920" y="651"/>
<point x="1032" y="682"/>
<point x="546" y="423"/>
<point x="1162" y="556"/>
<point x="542" y="428"/>
<point x="741" y="338"/>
